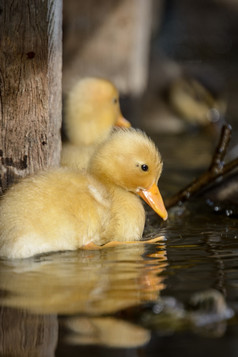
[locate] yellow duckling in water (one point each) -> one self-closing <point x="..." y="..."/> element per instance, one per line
<point x="64" y="209"/>
<point x="92" y="109"/>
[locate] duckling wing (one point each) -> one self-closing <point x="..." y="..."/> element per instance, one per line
<point x="127" y="218"/>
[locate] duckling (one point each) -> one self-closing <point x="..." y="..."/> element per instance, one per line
<point x="92" y="109"/>
<point x="65" y="209"/>
<point x="182" y="99"/>
<point x="195" y="102"/>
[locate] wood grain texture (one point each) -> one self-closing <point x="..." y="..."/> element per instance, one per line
<point x="30" y="87"/>
<point x="26" y="334"/>
<point x="106" y="38"/>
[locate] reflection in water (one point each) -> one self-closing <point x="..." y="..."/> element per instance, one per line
<point x="206" y="313"/>
<point x="91" y="283"/>
<point x="23" y="334"/>
<point x="105" y="331"/>
<point x="84" y="281"/>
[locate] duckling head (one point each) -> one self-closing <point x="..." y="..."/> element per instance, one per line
<point x="130" y="160"/>
<point x="92" y="109"/>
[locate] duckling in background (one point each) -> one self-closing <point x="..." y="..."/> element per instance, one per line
<point x="92" y="109"/>
<point x="195" y="102"/>
<point x="179" y="99"/>
<point x="64" y="209"/>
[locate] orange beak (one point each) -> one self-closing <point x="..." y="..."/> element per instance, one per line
<point x="122" y="122"/>
<point x="153" y="198"/>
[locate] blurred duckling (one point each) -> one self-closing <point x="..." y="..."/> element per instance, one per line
<point x="186" y="101"/>
<point x="64" y="209"/>
<point x="195" y="102"/>
<point x="92" y="109"/>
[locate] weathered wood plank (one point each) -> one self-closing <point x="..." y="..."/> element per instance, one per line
<point x="30" y="86"/>
<point x="109" y="39"/>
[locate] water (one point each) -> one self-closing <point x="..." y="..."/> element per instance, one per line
<point x="136" y="300"/>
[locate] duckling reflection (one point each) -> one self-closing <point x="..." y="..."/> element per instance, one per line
<point x="105" y="331"/>
<point x="89" y="282"/>
<point x="115" y="332"/>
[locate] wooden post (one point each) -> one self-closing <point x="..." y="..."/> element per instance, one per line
<point x="30" y="87"/>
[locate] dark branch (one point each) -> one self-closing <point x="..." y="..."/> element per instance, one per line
<point x="216" y="169"/>
<point x="220" y="152"/>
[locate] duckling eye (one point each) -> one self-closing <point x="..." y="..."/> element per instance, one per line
<point x="115" y="100"/>
<point x="144" y="167"/>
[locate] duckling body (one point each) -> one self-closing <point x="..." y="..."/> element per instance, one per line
<point x="92" y="110"/>
<point x="76" y="157"/>
<point x="47" y="213"/>
<point x="63" y="209"/>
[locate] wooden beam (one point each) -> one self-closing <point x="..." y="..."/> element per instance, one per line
<point x="30" y="87"/>
<point x="108" y="39"/>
